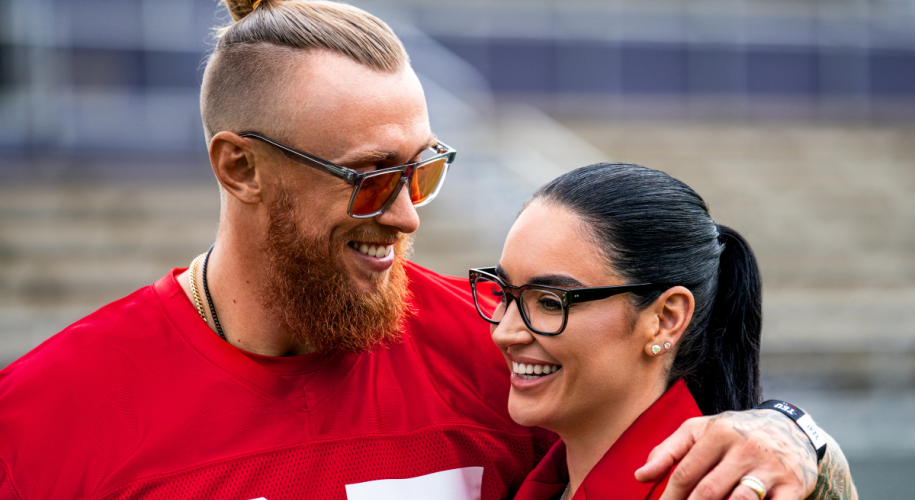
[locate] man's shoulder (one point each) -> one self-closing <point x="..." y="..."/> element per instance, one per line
<point x="455" y="342"/>
<point x="92" y="334"/>
<point x="428" y="281"/>
<point x="92" y="388"/>
<point x="117" y="336"/>
<point x="443" y="304"/>
<point x="447" y="299"/>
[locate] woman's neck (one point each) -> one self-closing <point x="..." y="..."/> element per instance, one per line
<point x="590" y="440"/>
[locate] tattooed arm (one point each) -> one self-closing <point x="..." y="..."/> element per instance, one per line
<point x="834" y="480"/>
<point x="715" y="452"/>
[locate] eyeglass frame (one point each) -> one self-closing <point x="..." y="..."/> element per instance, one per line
<point x="356" y="178"/>
<point x="567" y="296"/>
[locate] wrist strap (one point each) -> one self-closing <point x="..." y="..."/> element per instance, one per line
<point x="803" y="420"/>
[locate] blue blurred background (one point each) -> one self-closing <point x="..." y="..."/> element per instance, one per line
<point x="794" y="119"/>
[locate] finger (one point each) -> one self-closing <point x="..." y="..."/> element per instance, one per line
<point x="786" y="493"/>
<point x="718" y="484"/>
<point x="721" y="482"/>
<point x="669" y="452"/>
<point x="736" y="463"/>
<point x="703" y="456"/>
<point x="743" y="492"/>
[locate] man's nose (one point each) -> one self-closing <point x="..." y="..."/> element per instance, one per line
<point x="401" y="214"/>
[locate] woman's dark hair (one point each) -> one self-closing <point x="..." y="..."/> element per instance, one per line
<point x="655" y="229"/>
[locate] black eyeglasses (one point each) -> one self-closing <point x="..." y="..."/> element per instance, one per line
<point x="544" y="309"/>
<point x="375" y="191"/>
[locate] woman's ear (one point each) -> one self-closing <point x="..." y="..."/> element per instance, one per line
<point x="671" y="312"/>
<point x="232" y="159"/>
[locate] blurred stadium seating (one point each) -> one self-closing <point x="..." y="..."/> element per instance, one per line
<point x="796" y="121"/>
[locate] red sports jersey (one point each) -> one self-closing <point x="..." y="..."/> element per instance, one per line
<point x="142" y="400"/>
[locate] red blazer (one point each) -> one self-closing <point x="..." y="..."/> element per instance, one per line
<point x="614" y="475"/>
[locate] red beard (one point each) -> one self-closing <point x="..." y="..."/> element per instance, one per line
<point x="315" y="300"/>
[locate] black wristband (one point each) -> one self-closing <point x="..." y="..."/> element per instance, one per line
<point x="803" y="420"/>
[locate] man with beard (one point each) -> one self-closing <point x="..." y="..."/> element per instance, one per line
<point x="303" y="356"/>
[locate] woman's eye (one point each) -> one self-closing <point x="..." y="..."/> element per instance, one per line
<point x="498" y="293"/>
<point x="549" y="304"/>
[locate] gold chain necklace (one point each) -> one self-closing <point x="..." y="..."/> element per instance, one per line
<point x="192" y="277"/>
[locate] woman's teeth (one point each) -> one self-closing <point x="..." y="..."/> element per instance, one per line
<point x="373" y="250"/>
<point x="529" y="371"/>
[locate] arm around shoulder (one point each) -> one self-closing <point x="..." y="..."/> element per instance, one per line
<point x="834" y="476"/>
<point x="715" y="452"/>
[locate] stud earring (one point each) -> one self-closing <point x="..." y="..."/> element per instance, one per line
<point x="655" y="349"/>
<point x="667" y="345"/>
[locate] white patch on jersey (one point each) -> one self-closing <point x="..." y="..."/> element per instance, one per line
<point x="465" y="483"/>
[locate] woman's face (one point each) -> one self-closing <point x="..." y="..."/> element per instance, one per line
<point x="599" y="361"/>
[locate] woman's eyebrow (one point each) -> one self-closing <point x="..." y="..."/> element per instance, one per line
<point x="559" y="280"/>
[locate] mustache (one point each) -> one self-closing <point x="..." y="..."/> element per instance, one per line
<point x="372" y="234"/>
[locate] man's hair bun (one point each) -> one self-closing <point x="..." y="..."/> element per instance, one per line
<point x="241" y="8"/>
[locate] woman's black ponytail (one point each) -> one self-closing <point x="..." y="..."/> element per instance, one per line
<point x="721" y="367"/>
<point x="655" y="229"/>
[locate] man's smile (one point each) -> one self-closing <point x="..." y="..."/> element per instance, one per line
<point x="376" y="257"/>
<point x="378" y="250"/>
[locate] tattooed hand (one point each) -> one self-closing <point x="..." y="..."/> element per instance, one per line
<point x="834" y="481"/>
<point x="715" y="452"/>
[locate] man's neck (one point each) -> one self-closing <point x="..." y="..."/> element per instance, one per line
<point x="234" y="286"/>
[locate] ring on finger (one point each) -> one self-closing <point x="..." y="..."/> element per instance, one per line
<point x="755" y="484"/>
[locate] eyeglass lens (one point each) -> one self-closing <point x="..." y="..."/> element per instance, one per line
<point x="375" y="191"/>
<point x="542" y="308"/>
<point x="425" y="179"/>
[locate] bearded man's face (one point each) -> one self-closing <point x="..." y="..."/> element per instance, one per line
<point x="313" y="297"/>
<point x="326" y="290"/>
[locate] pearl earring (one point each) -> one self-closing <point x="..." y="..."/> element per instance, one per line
<point x="655" y="349"/>
<point x="667" y="345"/>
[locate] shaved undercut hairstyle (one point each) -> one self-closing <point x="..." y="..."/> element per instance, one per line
<point x="248" y="72"/>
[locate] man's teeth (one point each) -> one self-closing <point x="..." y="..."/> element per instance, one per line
<point x="373" y="250"/>
<point x="529" y="371"/>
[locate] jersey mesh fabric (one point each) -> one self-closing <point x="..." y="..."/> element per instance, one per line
<point x="142" y="400"/>
<point x="6" y="486"/>
<point x="320" y="470"/>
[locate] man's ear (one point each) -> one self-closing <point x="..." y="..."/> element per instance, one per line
<point x="232" y="159"/>
<point x="671" y="312"/>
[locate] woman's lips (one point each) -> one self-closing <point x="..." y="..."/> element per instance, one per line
<point x="532" y="372"/>
<point x="534" y="369"/>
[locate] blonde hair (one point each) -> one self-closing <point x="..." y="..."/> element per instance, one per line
<point x="254" y="57"/>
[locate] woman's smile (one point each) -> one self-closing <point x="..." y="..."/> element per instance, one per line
<point x="530" y="372"/>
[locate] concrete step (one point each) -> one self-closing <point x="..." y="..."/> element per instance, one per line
<point x="831" y="224"/>
<point x="822" y="206"/>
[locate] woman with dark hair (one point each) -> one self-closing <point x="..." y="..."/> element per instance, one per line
<point x="634" y="311"/>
